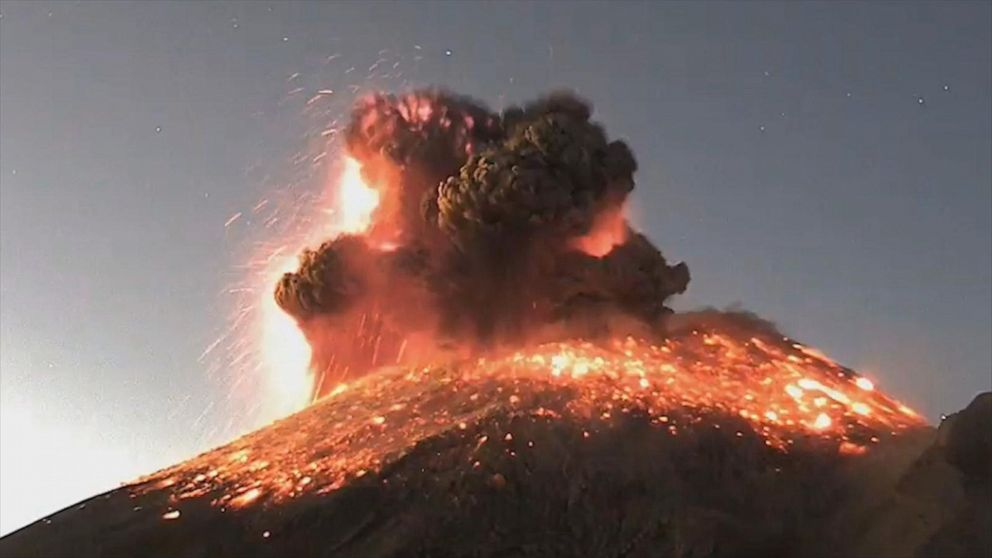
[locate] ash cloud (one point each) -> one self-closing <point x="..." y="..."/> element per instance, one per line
<point x="491" y="229"/>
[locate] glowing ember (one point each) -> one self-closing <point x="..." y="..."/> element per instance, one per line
<point x="718" y="378"/>
<point x="246" y="498"/>
<point x="174" y="514"/>
<point x="338" y="389"/>
<point x="847" y="448"/>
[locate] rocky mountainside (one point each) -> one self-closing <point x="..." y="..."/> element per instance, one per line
<point x="465" y="461"/>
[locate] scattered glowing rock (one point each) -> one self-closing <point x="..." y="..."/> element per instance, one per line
<point x="246" y="498"/>
<point x="822" y="422"/>
<point x="847" y="448"/>
<point x="864" y="383"/>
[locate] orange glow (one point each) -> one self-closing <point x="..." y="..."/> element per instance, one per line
<point x="822" y="422"/>
<point x="749" y="386"/>
<point x="356" y="200"/>
<point x="608" y="231"/>
<point x="285" y="352"/>
<point x="246" y="498"/>
<point x="847" y="448"/>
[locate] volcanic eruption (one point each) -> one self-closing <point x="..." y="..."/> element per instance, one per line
<point x="496" y="373"/>
<point x="489" y="230"/>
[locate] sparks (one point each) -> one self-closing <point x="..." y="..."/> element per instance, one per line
<point x="285" y="353"/>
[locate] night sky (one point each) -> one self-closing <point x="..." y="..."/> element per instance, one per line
<point x="826" y="165"/>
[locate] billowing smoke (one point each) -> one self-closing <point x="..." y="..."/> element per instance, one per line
<point x="491" y="229"/>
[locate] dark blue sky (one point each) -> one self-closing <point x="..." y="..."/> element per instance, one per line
<point x="826" y="165"/>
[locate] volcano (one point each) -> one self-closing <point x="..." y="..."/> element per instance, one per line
<point x="726" y="439"/>
<point x="497" y="374"/>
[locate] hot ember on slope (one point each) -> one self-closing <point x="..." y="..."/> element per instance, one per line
<point x="728" y="373"/>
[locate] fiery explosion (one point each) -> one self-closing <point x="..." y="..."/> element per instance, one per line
<point x="262" y="337"/>
<point x="478" y="261"/>
<point x="285" y="351"/>
<point x="483" y="231"/>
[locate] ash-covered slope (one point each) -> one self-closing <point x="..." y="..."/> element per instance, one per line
<point x="569" y="450"/>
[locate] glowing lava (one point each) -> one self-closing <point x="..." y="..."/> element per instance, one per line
<point x="753" y="384"/>
<point x="285" y="351"/>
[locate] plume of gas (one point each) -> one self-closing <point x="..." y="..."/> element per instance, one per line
<point x="488" y="229"/>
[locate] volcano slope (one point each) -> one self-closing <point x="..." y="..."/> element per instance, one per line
<point x="723" y="440"/>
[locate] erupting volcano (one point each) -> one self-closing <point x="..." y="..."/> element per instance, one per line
<point x="495" y="372"/>
<point x="482" y="231"/>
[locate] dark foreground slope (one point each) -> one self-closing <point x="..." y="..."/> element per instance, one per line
<point x="512" y="471"/>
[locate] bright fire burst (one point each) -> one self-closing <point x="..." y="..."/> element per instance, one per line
<point x="754" y="385"/>
<point x="285" y="353"/>
<point x="356" y="201"/>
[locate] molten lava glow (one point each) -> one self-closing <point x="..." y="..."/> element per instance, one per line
<point x="762" y="388"/>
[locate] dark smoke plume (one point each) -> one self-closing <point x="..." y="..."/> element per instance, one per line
<point x="551" y="174"/>
<point x="491" y="229"/>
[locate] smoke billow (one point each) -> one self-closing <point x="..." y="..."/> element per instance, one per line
<point x="491" y="229"/>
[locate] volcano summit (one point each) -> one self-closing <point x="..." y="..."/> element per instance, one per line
<point x="496" y="374"/>
<point x="700" y="446"/>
